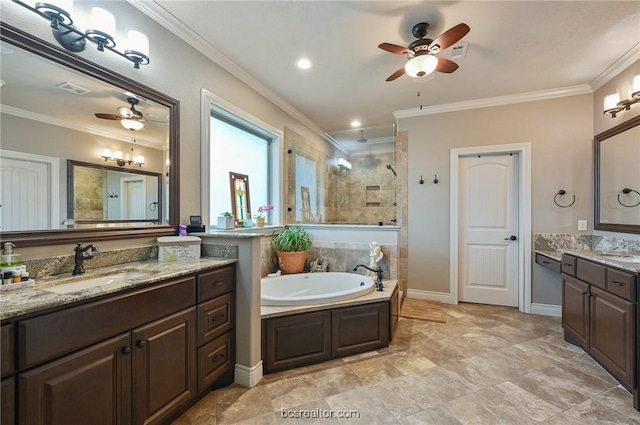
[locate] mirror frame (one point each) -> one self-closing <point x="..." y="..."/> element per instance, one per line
<point x="598" y="139"/>
<point x="71" y="192"/>
<point x="51" y="52"/>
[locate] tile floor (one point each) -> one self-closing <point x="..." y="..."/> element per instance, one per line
<point x="486" y="365"/>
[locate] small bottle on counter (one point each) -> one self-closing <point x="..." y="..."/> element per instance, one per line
<point x="6" y="278"/>
<point x="24" y="276"/>
<point x="16" y="276"/>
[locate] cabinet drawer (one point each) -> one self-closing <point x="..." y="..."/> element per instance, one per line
<point x="214" y="359"/>
<point x="569" y="265"/>
<point x="621" y="284"/>
<point x="52" y="335"/>
<point x="549" y="263"/>
<point x="7" y="345"/>
<point x="216" y="283"/>
<point x="216" y="317"/>
<point x="8" y="402"/>
<point x="592" y="273"/>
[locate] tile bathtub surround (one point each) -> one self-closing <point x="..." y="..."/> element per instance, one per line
<point x="342" y="257"/>
<point x="485" y="365"/>
<point x="51" y="266"/>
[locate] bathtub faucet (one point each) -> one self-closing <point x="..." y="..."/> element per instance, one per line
<point x="378" y="270"/>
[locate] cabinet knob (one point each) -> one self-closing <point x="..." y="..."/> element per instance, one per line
<point x="218" y="283"/>
<point x="218" y="357"/>
<point x="218" y="317"/>
<point x="617" y="283"/>
<point x="125" y="350"/>
<point x="141" y="343"/>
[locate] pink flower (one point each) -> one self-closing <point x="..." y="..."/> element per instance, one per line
<point x="263" y="209"/>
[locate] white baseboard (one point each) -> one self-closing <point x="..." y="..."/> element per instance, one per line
<point x="248" y="376"/>
<point x="418" y="294"/>
<point x="546" y="310"/>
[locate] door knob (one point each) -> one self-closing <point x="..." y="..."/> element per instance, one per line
<point x="511" y="238"/>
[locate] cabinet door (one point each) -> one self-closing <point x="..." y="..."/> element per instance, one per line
<point x="164" y="367"/>
<point x="92" y="386"/>
<point x="297" y="340"/>
<point x="8" y="397"/>
<point x="360" y="328"/>
<point x="612" y="331"/>
<point x="575" y="309"/>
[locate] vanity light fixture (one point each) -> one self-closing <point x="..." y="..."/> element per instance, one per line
<point x="73" y="39"/>
<point x="625" y="96"/>
<point x="344" y="165"/>
<point x="120" y="160"/>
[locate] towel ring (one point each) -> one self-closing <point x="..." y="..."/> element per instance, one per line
<point x="560" y="193"/>
<point x="626" y="191"/>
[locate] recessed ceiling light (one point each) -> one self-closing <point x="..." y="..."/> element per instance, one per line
<point x="355" y="123"/>
<point x="304" y="63"/>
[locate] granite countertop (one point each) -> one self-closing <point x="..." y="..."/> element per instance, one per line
<point x="23" y="301"/>
<point x="371" y="297"/>
<point x="602" y="257"/>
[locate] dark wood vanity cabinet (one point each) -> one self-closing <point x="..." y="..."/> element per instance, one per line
<point x="599" y="313"/>
<point x="132" y="358"/>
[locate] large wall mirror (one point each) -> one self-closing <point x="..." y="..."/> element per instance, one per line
<point x="49" y="103"/>
<point x="617" y="178"/>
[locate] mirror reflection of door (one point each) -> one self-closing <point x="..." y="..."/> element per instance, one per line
<point x="133" y="198"/>
<point x="28" y="189"/>
<point x="240" y="199"/>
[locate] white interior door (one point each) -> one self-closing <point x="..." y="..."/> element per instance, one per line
<point x="134" y="199"/>
<point x="27" y="196"/>
<point x="488" y="266"/>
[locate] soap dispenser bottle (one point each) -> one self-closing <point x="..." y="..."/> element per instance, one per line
<point x="9" y="259"/>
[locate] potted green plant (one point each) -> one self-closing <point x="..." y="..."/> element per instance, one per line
<point x="226" y="221"/>
<point x="292" y="245"/>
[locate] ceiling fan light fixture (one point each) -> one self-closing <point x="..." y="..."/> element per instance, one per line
<point x="132" y="124"/>
<point x="421" y="66"/>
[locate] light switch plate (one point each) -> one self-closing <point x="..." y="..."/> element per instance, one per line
<point x="582" y="224"/>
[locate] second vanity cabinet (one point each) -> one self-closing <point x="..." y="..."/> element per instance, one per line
<point x="130" y="358"/>
<point x="599" y="307"/>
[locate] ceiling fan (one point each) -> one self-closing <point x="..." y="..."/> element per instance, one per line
<point x="421" y="52"/>
<point x="129" y="117"/>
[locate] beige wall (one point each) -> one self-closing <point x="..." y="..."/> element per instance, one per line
<point x="560" y="134"/>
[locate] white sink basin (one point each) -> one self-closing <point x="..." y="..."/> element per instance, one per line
<point x="635" y="260"/>
<point x="107" y="282"/>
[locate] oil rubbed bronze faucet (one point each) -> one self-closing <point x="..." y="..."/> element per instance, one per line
<point x="81" y="255"/>
<point x="379" y="285"/>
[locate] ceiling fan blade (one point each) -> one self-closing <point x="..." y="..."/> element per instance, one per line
<point x="448" y="38"/>
<point x="395" y="49"/>
<point x="396" y="74"/>
<point x="109" y="116"/>
<point x="446" y="66"/>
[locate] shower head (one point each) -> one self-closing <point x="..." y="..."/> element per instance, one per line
<point x="389" y="167"/>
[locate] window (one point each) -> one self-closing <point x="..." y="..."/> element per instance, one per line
<point x="239" y="143"/>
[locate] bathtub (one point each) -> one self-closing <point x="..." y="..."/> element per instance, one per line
<point x="313" y="288"/>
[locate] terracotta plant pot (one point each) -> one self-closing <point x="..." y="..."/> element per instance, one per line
<point x="292" y="262"/>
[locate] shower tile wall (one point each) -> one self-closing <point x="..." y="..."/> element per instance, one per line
<point x="342" y="196"/>
<point x="369" y="176"/>
<point x="89" y="194"/>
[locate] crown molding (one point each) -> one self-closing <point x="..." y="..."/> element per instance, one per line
<point x="494" y="101"/>
<point x="33" y="116"/>
<point x="616" y="68"/>
<point x="167" y="20"/>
